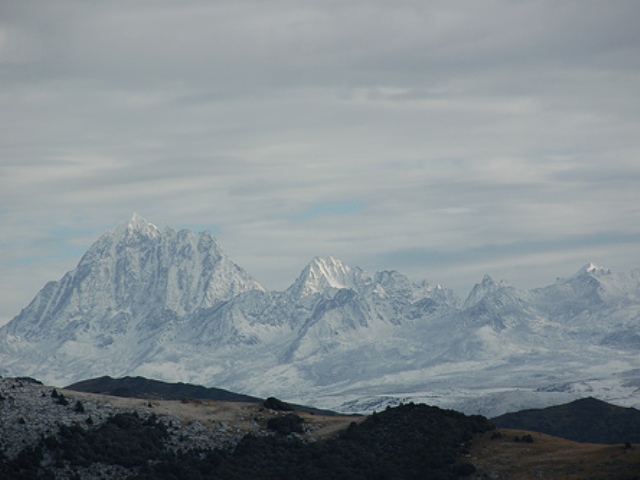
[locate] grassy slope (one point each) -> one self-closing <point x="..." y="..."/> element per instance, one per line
<point x="552" y="457"/>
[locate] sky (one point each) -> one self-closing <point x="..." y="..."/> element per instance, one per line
<point x="443" y="139"/>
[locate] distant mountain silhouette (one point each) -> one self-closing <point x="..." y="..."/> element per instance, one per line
<point x="140" y="387"/>
<point x="585" y="420"/>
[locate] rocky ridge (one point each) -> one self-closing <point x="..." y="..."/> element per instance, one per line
<point x="31" y="411"/>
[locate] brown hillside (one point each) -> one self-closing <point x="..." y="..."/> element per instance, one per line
<point x="550" y="457"/>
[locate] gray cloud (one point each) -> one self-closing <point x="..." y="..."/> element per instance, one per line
<point x="445" y="139"/>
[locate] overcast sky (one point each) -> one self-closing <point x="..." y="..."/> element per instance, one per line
<point x="444" y="139"/>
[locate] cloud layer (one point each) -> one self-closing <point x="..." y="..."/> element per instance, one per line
<point x="442" y="139"/>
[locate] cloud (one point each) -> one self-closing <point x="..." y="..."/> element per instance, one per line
<point x="329" y="208"/>
<point x="450" y="139"/>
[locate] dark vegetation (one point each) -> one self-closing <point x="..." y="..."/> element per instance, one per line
<point x="585" y="420"/>
<point x="406" y="442"/>
<point x="140" y="387"/>
<point x="124" y="439"/>
<point x="527" y="438"/>
<point x="29" y="380"/>
<point x="60" y="398"/>
<point x="275" y="404"/>
<point x="290" y="423"/>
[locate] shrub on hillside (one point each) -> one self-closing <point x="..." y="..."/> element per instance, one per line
<point x="286" y="425"/>
<point x="273" y="403"/>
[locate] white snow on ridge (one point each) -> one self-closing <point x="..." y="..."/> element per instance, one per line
<point x="322" y="274"/>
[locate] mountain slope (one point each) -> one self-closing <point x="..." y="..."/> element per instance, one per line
<point x="585" y="420"/>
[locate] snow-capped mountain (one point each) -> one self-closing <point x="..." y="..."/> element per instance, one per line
<point x="129" y="291"/>
<point x="172" y="306"/>
<point x="326" y="274"/>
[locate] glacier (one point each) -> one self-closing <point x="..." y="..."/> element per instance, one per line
<point x="171" y="305"/>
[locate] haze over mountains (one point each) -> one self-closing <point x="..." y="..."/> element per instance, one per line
<point x="171" y="305"/>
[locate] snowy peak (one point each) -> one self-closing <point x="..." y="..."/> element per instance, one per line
<point x="137" y="222"/>
<point x="394" y="284"/>
<point x="130" y="234"/>
<point x="138" y="272"/>
<point x="325" y="274"/>
<point x="591" y="269"/>
<point x="482" y="289"/>
<point x="598" y="284"/>
<point x="587" y="280"/>
<point x="136" y="227"/>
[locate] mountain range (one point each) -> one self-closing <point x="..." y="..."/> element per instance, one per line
<point x="171" y="305"/>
